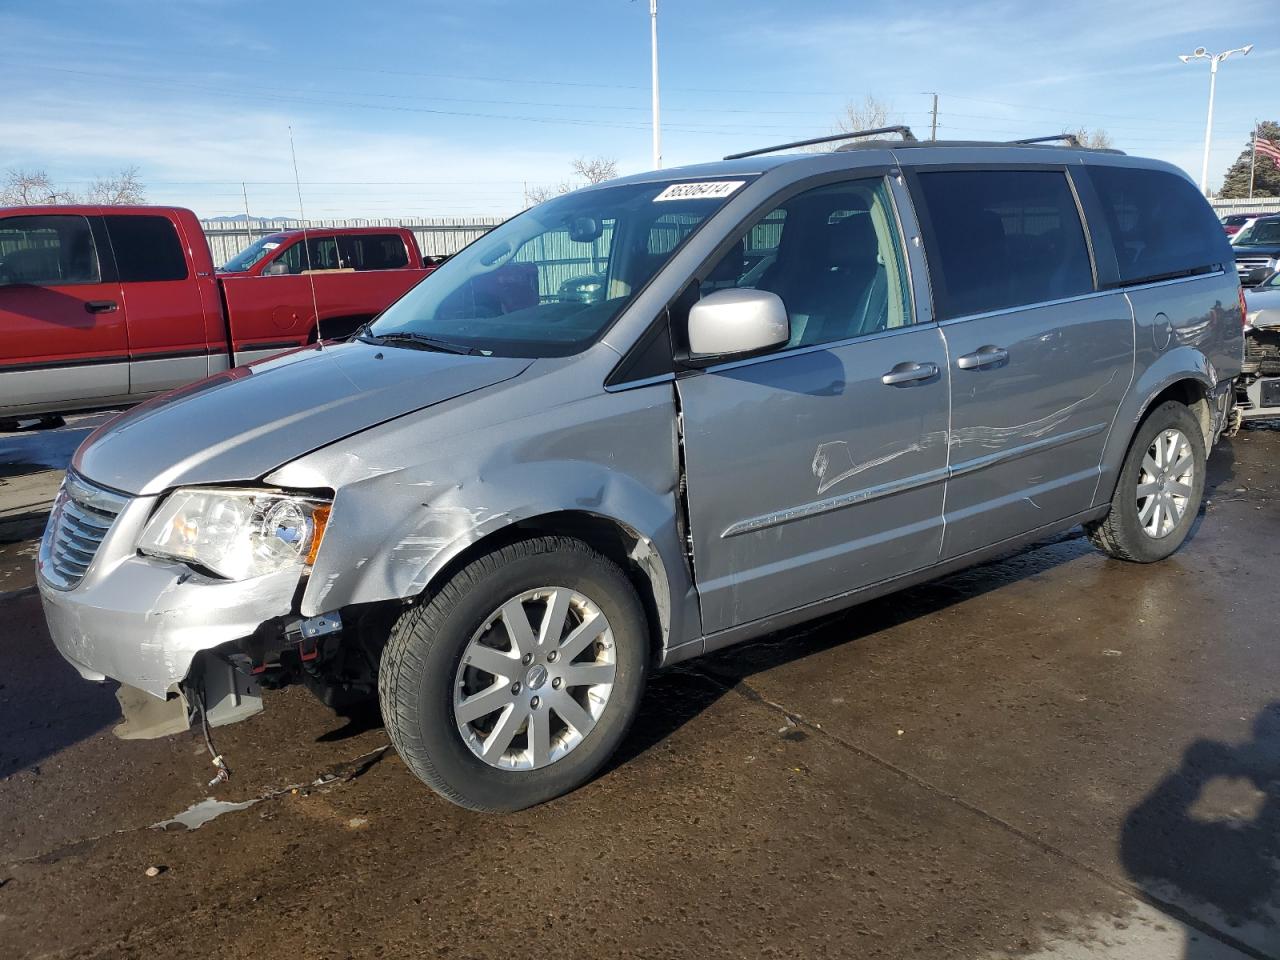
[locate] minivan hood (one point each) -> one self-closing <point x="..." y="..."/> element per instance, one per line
<point x="1264" y="306"/>
<point x="239" y="425"/>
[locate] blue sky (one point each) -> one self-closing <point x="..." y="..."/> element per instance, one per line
<point x="450" y="109"/>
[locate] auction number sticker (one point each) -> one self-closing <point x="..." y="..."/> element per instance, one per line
<point x="706" y="190"/>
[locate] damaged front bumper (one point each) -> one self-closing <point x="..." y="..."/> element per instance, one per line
<point x="1258" y="388"/>
<point x="144" y="621"/>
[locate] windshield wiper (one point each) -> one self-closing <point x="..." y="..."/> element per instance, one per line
<point x="420" y="341"/>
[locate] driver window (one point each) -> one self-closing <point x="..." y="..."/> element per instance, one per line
<point x="47" y="251"/>
<point x="834" y="257"/>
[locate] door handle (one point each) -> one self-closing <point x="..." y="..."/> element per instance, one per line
<point x="100" y="306"/>
<point x="909" y="373"/>
<point x="983" y="357"/>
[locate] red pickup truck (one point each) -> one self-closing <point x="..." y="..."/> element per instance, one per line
<point x="106" y="306"/>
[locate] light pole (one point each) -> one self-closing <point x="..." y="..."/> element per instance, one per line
<point x="653" y="43"/>
<point x="1214" y="59"/>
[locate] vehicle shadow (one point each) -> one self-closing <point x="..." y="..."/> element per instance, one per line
<point x="1208" y="835"/>
<point x="678" y="696"/>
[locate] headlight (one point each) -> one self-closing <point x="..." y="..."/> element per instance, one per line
<point x="237" y="534"/>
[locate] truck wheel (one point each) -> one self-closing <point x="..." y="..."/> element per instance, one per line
<point x="519" y="678"/>
<point x="1158" y="494"/>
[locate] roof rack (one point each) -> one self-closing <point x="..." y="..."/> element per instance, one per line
<point x="1070" y="139"/>
<point x="907" y="136"/>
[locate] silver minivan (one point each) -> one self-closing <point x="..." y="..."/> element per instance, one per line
<point x="803" y="381"/>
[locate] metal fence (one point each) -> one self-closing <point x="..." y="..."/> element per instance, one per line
<point x="1265" y="205"/>
<point x="436" y="235"/>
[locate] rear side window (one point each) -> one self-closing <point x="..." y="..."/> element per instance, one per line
<point x="1160" y="225"/>
<point x="47" y="251"/>
<point x="374" y="251"/>
<point x="1002" y="238"/>
<point x="147" y="249"/>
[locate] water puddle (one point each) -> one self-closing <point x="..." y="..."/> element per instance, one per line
<point x="197" y="815"/>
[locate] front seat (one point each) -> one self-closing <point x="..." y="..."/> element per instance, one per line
<point x="841" y="287"/>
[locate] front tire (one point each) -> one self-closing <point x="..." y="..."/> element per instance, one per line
<point x="518" y="680"/>
<point x="1159" y="490"/>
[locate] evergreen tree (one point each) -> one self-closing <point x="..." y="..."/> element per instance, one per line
<point x="1266" y="178"/>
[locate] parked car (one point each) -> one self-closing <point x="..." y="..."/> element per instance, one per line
<point x="105" y="306"/>
<point x="1258" y="389"/>
<point x="1233" y="222"/>
<point x="503" y="514"/>
<point x="1257" y="250"/>
<point x="588" y="288"/>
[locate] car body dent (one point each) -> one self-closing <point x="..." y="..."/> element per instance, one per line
<point x="1264" y="306"/>
<point x="413" y="494"/>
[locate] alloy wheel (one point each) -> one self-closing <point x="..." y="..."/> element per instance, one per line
<point x="534" y="679"/>
<point x="1165" y="483"/>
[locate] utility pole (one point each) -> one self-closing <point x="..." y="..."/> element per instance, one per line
<point x="653" y="44"/>
<point x="247" y="228"/>
<point x="933" y="123"/>
<point x="1214" y="59"/>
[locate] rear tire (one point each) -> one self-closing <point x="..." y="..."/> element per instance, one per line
<point x="1158" y="493"/>
<point x="493" y="704"/>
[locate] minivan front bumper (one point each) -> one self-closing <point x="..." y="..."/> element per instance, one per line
<point x="141" y="620"/>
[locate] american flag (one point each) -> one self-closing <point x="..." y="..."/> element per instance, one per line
<point x="1268" y="148"/>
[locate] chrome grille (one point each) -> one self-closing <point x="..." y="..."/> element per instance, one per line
<point x="81" y="517"/>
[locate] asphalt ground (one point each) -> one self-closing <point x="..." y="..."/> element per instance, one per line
<point x="1053" y="755"/>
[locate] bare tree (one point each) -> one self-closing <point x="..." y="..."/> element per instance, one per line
<point x="1095" y="139"/>
<point x="866" y="114"/>
<point x="543" y="193"/>
<point x="23" y="188"/>
<point x="596" y="169"/>
<point x="123" y="189"/>
<point x="589" y="170"/>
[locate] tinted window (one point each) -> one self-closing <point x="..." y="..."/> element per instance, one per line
<point x="146" y="249"/>
<point x="1002" y="238"/>
<point x="318" y="253"/>
<point x="832" y="254"/>
<point x="47" y="251"/>
<point x="1160" y="225"/>
<point x="374" y="251"/>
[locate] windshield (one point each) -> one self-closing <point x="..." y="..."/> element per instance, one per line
<point x="256" y="251"/>
<point x="548" y="282"/>
<point x="1259" y="233"/>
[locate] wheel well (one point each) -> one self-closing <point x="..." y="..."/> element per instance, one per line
<point x="632" y="552"/>
<point x="1193" y="395"/>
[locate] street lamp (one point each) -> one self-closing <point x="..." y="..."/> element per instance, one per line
<point x="653" y="47"/>
<point x="1214" y="59"/>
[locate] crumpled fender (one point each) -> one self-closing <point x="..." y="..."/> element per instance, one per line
<point x="394" y="528"/>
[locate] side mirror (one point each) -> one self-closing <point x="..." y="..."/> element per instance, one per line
<point x="729" y="324"/>
<point x="277" y="269"/>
